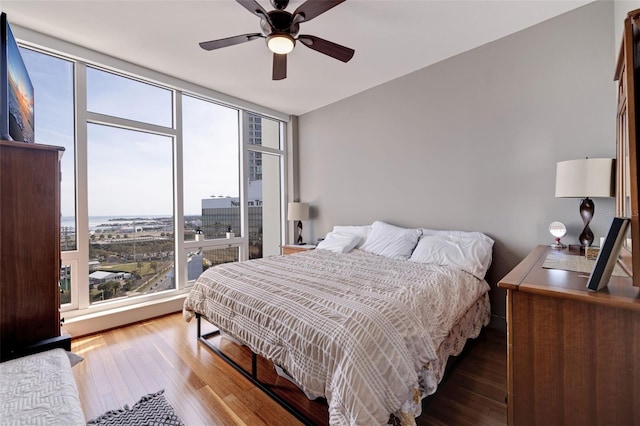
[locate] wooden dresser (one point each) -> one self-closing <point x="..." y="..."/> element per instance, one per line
<point x="29" y="245"/>
<point x="573" y="356"/>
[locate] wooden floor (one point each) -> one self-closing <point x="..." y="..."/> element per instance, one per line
<point x="124" y="364"/>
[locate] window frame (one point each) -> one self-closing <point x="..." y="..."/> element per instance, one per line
<point x="78" y="259"/>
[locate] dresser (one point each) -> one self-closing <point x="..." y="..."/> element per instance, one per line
<point x="29" y="245"/>
<point x="573" y="356"/>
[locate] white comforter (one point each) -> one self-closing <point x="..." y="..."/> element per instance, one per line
<point x="355" y="328"/>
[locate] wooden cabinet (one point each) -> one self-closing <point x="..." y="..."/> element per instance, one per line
<point x="573" y="356"/>
<point x="290" y="249"/>
<point x="628" y="138"/>
<point x="29" y="244"/>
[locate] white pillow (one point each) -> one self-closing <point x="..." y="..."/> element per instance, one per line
<point x="468" y="254"/>
<point x="338" y="242"/>
<point x="469" y="234"/>
<point x="391" y="241"/>
<point x="483" y="240"/>
<point x="361" y="231"/>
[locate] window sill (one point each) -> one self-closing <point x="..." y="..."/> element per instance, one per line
<point x="95" y="322"/>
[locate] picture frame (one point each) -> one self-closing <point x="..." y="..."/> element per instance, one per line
<point x="608" y="255"/>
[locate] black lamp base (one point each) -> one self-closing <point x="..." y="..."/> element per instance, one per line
<point x="587" y="209"/>
<point x="299" y="239"/>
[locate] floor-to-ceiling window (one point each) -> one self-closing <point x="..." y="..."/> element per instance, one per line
<point x="158" y="184"/>
<point x="130" y="199"/>
<point x="130" y="178"/>
<point x="53" y="81"/>
<point x="211" y="184"/>
<point x="265" y="164"/>
<point x="211" y="159"/>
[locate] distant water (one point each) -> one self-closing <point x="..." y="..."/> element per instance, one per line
<point x="96" y="221"/>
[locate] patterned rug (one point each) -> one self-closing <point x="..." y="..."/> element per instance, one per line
<point x="151" y="410"/>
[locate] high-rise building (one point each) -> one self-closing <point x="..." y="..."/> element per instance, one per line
<point x="255" y="138"/>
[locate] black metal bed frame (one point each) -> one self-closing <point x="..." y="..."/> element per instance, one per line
<point x="252" y="376"/>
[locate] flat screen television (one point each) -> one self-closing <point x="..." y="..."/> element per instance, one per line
<point x="16" y="90"/>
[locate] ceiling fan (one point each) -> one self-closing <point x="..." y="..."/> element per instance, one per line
<point x="280" y="29"/>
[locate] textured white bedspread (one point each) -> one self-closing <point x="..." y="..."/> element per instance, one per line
<point x="39" y="389"/>
<point x="355" y="328"/>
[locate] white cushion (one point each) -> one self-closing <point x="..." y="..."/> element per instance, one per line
<point x="471" y="252"/>
<point x="391" y="241"/>
<point x="483" y="240"/>
<point x="339" y="242"/>
<point x="359" y="230"/>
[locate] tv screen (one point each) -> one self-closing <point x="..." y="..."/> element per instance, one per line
<point x="17" y="96"/>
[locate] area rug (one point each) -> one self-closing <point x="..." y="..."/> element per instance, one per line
<point x="151" y="410"/>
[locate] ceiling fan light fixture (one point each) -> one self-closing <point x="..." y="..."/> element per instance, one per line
<point x="280" y="43"/>
<point x="281" y="31"/>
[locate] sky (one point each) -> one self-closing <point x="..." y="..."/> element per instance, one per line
<point x="131" y="172"/>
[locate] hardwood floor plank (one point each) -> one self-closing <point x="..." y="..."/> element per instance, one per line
<point x="479" y="385"/>
<point x="474" y="394"/>
<point x="121" y="365"/>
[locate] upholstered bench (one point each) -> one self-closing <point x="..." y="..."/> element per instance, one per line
<point x="39" y="389"/>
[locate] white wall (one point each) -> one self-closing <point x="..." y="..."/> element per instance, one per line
<point x="472" y="142"/>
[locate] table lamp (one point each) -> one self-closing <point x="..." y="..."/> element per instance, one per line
<point x="299" y="212"/>
<point x="590" y="177"/>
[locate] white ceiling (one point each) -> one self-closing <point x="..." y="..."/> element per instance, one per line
<point x="391" y="38"/>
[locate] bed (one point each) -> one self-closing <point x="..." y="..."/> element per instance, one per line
<point x="368" y="327"/>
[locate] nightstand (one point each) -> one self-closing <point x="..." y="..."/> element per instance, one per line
<point x="294" y="248"/>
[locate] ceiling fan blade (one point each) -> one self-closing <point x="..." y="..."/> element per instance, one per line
<point x="229" y="41"/>
<point x="254" y="7"/>
<point x="279" y="66"/>
<point x="312" y="8"/>
<point x="329" y="48"/>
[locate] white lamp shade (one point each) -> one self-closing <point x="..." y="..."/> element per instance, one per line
<point x="298" y="211"/>
<point x="590" y="177"/>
